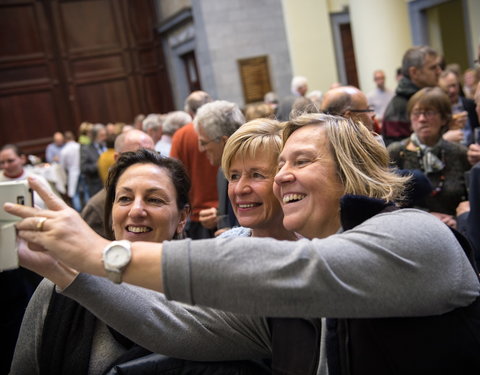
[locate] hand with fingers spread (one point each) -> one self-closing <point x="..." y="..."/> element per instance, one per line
<point x="59" y="231"/>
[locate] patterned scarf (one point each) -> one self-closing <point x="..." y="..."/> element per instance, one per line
<point x="430" y="162"/>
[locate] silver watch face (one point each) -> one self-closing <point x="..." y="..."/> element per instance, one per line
<point x="117" y="256"/>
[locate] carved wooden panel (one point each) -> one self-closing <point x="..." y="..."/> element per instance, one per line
<point x="31" y="100"/>
<point x="255" y="78"/>
<point x="77" y="60"/>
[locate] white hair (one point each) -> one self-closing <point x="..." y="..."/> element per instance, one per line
<point x="219" y="118"/>
<point x="152" y="121"/>
<point x="174" y="121"/>
<point x="297" y="82"/>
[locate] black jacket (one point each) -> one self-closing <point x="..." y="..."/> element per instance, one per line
<point x="442" y="344"/>
<point x="396" y="124"/>
<point x="469" y="106"/>
<point x="88" y="165"/>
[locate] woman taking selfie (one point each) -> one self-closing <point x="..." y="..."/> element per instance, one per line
<point x="361" y="259"/>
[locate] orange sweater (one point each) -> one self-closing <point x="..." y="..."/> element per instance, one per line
<point x="203" y="193"/>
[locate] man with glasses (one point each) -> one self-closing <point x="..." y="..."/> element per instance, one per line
<point x="350" y="102"/>
<point x="203" y="193"/>
<point x="214" y="124"/>
<point x="420" y="68"/>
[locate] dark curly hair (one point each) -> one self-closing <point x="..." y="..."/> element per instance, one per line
<point x="176" y="170"/>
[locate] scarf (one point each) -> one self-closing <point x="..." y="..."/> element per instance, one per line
<point x="67" y="339"/>
<point x="430" y="162"/>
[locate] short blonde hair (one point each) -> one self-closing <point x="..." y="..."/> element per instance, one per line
<point x="257" y="136"/>
<point x="362" y="163"/>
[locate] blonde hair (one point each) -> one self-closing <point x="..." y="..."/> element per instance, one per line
<point x="259" y="135"/>
<point x="258" y="110"/>
<point x="362" y="163"/>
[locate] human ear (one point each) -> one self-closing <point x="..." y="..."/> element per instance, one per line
<point x="412" y="72"/>
<point x="184" y="215"/>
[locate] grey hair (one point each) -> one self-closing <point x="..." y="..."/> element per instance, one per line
<point x="174" y="121"/>
<point x="270" y="97"/>
<point x="95" y="130"/>
<point x="219" y="118"/>
<point x="195" y="100"/>
<point x="297" y="82"/>
<point x="152" y="121"/>
<point x="415" y="57"/>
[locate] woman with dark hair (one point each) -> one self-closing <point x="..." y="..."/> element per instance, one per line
<point x="444" y="163"/>
<point x="147" y="200"/>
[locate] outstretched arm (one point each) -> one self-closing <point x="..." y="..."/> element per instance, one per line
<point x="65" y="237"/>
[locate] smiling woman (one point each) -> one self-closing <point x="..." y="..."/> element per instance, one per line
<point x="147" y="198"/>
<point x="249" y="163"/>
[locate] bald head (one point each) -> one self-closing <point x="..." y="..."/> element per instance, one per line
<point x="132" y="140"/>
<point x="347" y="101"/>
<point x="58" y="138"/>
<point x="195" y="100"/>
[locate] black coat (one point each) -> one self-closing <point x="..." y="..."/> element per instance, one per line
<point x="469" y="106"/>
<point x="88" y="166"/>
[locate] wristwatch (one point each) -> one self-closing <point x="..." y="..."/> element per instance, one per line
<point x="116" y="257"/>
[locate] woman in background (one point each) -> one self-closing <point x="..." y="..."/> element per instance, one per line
<point x="444" y="163"/>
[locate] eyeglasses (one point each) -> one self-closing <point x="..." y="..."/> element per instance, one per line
<point x="367" y="110"/>
<point x="204" y="143"/>
<point x="427" y="114"/>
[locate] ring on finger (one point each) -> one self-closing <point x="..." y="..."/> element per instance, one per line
<point x="40" y="221"/>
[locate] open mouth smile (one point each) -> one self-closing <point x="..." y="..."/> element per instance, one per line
<point x="291" y="198"/>
<point x="138" y="229"/>
<point x="248" y="205"/>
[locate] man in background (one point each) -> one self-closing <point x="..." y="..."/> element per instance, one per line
<point x="380" y="96"/>
<point x="52" y="153"/>
<point x="88" y="159"/>
<point x="203" y="193"/>
<point x="420" y="68"/>
<point x="350" y="102"/>
<point x="463" y="109"/>
<point x="215" y="123"/>
<point x="70" y="161"/>
<point x="153" y="126"/>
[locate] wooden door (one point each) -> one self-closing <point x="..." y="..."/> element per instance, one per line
<point x="67" y="61"/>
<point x="349" y="54"/>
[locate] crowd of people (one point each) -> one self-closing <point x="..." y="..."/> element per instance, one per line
<point x="339" y="235"/>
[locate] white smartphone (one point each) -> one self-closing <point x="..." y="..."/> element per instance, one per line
<point x="14" y="192"/>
